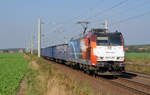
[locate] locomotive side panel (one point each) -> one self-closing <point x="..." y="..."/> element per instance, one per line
<point x="74" y="51"/>
<point x="77" y="51"/>
<point x="84" y="47"/>
<point x="93" y="46"/>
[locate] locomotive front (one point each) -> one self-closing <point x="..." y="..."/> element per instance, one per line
<point x="109" y="51"/>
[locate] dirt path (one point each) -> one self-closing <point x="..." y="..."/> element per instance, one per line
<point x="23" y="87"/>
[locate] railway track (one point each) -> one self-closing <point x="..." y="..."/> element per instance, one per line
<point x="125" y="81"/>
<point x="137" y="86"/>
<point x="147" y="76"/>
<point x="133" y="86"/>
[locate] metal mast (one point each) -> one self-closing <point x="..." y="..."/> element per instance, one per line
<point x="106" y="26"/>
<point x="39" y="38"/>
<point x="32" y="42"/>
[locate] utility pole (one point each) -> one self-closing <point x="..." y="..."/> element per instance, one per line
<point x="32" y="46"/>
<point x="32" y="43"/>
<point x="106" y="26"/>
<point x="25" y="47"/>
<point x="29" y="46"/>
<point x="39" y="38"/>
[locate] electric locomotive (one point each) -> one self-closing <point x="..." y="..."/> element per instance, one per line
<point x="98" y="51"/>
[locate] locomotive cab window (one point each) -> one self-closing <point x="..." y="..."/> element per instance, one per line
<point x="113" y="40"/>
<point x="102" y="40"/>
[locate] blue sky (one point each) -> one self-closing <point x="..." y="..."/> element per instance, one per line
<point x="18" y="20"/>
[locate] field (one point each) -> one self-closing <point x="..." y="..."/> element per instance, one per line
<point x="138" y="62"/>
<point x="12" y="70"/>
<point x="141" y="58"/>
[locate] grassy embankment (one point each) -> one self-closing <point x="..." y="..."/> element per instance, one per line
<point x="42" y="78"/>
<point x="12" y="70"/>
<point x="140" y="62"/>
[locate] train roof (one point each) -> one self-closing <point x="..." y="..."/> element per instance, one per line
<point x="98" y="31"/>
<point x="102" y="30"/>
<point x="109" y="33"/>
<point x="57" y="45"/>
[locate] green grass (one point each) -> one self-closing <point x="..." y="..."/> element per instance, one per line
<point x="139" y="61"/>
<point x="12" y="70"/>
<point x="41" y="73"/>
<point x="138" y="57"/>
<point x="138" y="68"/>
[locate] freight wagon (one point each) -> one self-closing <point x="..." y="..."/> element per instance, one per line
<point x="57" y="52"/>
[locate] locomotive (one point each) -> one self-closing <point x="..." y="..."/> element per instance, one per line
<point x="97" y="51"/>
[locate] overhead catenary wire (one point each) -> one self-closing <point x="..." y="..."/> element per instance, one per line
<point x="123" y="12"/>
<point x="130" y="18"/>
<point x="108" y="9"/>
<point x="97" y="14"/>
<point x="118" y="4"/>
<point x="69" y="20"/>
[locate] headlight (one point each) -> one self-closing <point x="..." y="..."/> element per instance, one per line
<point x="101" y="57"/>
<point x="120" y="57"/>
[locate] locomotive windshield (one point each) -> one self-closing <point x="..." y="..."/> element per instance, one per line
<point x="113" y="40"/>
<point x="102" y="40"/>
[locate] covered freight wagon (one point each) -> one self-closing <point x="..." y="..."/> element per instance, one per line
<point x="55" y="52"/>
